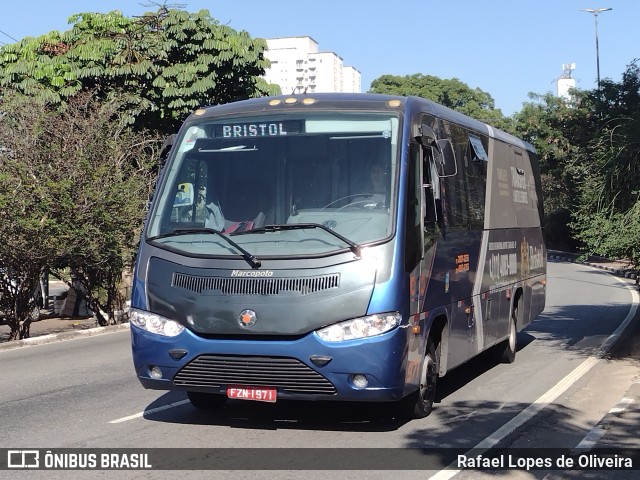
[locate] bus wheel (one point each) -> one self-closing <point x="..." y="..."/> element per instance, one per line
<point x="420" y="403"/>
<point x="507" y="350"/>
<point x="206" y="401"/>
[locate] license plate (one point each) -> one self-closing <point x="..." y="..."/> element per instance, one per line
<point x="260" y="394"/>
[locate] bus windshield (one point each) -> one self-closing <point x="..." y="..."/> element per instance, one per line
<point x="278" y="185"/>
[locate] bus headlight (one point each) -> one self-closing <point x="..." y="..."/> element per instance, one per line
<point x="155" y="323"/>
<point x="360" y="327"/>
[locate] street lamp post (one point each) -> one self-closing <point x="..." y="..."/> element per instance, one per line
<point x="596" y="12"/>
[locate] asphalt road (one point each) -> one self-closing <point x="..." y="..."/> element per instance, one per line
<point x="83" y="394"/>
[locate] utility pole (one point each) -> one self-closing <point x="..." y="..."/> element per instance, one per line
<point x="596" y="12"/>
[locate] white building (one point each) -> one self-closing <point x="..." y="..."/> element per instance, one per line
<point x="564" y="86"/>
<point x="566" y="82"/>
<point x="298" y="67"/>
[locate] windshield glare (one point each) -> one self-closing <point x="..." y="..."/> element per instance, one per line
<point x="238" y="175"/>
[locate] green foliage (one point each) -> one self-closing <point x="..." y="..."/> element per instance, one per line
<point x="589" y="159"/>
<point x="26" y="247"/>
<point x="615" y="235"/>
<point x="73" y="191"/>
<point x="162" y="65"/>
<point x="74" y="180"/>
<point x="558" y="130"/>
<point x="608" y="216"/>
<point x="451" y="93"/>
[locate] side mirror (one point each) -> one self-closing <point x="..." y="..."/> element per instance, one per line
<point x="424" y="134"/>
<point x="445" y="158"/>
<point x="166" y="148"/>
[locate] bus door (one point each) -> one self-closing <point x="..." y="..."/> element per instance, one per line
<point x="457" y="250"/>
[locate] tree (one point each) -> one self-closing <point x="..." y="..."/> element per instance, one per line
<point x="558" y="129"/>
<point x="24" y="250"/>
<point x="608" y="218"/>
<point x="74" y="179"/>
<point x="73" y="192"/>
<point x="451" y="93"/>
<point x="161" y="65"/>
<point x="588" y="147"/>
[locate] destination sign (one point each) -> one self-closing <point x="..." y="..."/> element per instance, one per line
<point x="258" y="129"/>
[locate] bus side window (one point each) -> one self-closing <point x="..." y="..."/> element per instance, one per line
<point x="475" y="166"/>
<point x="453" y="190"/>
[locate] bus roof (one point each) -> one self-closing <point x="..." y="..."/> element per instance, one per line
<point x="357" y="101"/>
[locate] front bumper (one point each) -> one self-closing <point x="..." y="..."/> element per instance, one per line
<point x="292" y="366"/>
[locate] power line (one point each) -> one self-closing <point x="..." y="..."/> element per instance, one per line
<point x="6" y="34"/>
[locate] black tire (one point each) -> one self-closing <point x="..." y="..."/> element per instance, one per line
<point x="34" y="315"/>
<point x="506" y="351"/>
<point x="207" y="401"/>
<point x="419" y="404"/>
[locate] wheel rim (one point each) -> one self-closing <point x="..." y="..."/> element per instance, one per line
<point x="512" y="336"/>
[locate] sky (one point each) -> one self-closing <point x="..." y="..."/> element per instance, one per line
<point x="507" y="48"/>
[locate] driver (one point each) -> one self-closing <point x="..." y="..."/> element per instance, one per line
<point x="376" y="192"/>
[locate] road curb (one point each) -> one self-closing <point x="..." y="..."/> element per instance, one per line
<point x="57" y="337"/>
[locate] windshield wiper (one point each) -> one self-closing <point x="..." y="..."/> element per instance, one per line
<point x="251" y="259"/>
<point x="355" y="248"/>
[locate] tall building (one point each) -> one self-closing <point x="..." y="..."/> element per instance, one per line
<point x="298" y="67"/>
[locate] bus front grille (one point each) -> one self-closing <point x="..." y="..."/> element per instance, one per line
<point x="288" y="374"/>
<point x="255" y="286"/>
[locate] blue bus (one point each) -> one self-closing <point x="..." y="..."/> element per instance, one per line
<point x="335" y="247"/>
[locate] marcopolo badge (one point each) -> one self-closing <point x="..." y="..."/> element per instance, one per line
<point x="247" y="318"/>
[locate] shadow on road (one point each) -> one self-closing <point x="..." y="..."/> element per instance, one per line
<point x="285" y="414"/>
<point x="559" y="327"/>
<point x="316" y="415"/>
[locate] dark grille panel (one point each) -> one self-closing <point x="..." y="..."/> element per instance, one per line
<point x="287" y="373"/>
<point x="256" y="286"/>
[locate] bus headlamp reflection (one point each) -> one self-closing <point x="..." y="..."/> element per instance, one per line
<point x="362" y="327"/>
<point x="155" y="323"/>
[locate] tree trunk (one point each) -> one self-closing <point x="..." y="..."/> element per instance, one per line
<point x="25" y="329"/>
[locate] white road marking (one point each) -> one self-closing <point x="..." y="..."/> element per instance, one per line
<point x="562" y="386"/>
<point x="148" y="412"/>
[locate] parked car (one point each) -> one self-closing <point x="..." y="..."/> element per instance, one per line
<point x="10" y="284"/>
